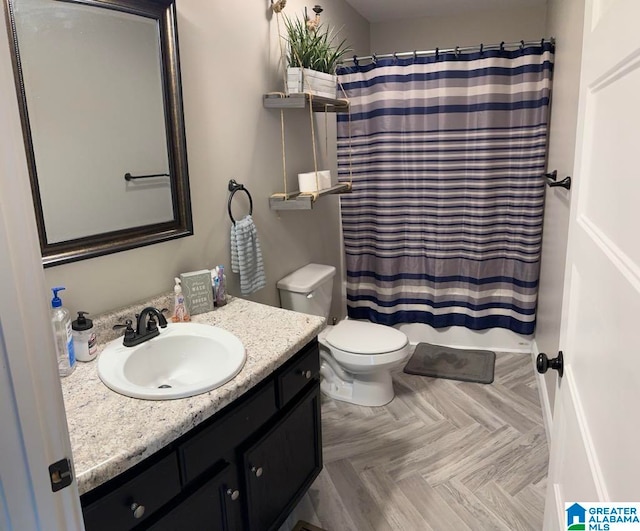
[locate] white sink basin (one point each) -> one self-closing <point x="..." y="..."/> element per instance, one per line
<point x="186" y="359"/>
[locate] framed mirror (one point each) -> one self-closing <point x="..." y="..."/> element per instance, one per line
<point x="98" y="84"/>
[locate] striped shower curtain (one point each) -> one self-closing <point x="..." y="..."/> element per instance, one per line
<point x="446" y="154"/>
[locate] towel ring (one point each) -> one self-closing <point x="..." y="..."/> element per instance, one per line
<point x="233" y="188"/>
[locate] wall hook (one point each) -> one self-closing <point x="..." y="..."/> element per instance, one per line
<point x="552" y="181"/>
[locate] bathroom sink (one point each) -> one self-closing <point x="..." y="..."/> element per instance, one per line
<point x="186" y="359"/>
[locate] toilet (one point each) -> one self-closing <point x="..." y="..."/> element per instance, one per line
<point x="356" y="357"/>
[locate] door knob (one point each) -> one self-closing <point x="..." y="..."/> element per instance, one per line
<point x="543" y="363"/>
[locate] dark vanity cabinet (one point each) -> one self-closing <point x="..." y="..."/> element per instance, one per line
<point x="283" y="462"/>
<point x="243" y="469"/>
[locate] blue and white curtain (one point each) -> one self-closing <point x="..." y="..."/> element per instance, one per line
<point x="446" y="154"/>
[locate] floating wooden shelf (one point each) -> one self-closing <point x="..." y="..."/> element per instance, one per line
<point x="302" y="200"/>
<point x="300" y="101"/>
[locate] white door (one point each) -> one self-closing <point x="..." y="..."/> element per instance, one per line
<point x="33" y="430"/>
<point x="594" y="446"/>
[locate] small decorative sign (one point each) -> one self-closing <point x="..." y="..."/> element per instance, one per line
<point x="198" y="292"/>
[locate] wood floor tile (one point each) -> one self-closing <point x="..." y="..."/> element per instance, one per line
<point x="443" y="455"/>
<point x="486" y="469"/>
<point x="531" y="467"/>
<point x="401" y="450"/>
<point x="445" y="446"/>
<point x="495" y="397"/>
<point x="363" y="510"/>
<point x="468" y="507"/>
<point x="392" y="500"/>
<point x="326" y="501"/>
<point x="474" y="455"/>
<point x="432" y="507"/>
<point x="435" y="392"/>
<point x="371" y="438"/>
<point x="532" y="498"/>
<point x="510" y="510"/>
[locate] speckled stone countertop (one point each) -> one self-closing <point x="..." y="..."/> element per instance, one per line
<point x="110" y="432"/>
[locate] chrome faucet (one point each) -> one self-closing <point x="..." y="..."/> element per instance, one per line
<point x="147" y="322"/>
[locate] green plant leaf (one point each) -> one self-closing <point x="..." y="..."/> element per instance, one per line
<point x="314" y="49"/>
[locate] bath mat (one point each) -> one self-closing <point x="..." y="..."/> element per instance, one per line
<point x="452" y="363"/>
<point x="306" y="526"/>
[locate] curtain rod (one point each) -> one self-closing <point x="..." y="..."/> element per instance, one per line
<point x="518" y="44"/>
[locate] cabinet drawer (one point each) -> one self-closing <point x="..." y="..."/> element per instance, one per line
<point x="219" y="439"/>
<point x="151" y="489"/>
<point x="296" y="376"/>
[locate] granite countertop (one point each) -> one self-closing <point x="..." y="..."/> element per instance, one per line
<point x="110" y="432"/>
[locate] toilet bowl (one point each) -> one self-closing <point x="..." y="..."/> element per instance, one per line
<point x="356" y="357"/>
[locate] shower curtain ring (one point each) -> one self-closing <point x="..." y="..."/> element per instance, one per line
<point x="437" y="53"/>
<point x="522" y="45"/>
<point x="355" y="60"/>
<point x="502" y="46"/>
<point x="374" y="59"/>
<point x="481" y="48"/>
<point x="457" y="52"/>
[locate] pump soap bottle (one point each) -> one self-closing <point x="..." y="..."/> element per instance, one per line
<point x="180" y="313"/>
<point x="84" y="339"/>
<point x="61" y="324"/>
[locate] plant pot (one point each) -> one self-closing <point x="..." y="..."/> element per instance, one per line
<point x="310" y="81"/>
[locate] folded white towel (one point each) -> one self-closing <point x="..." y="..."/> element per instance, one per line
<point x="246" y="257"/>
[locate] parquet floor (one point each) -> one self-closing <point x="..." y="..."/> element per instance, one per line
<point x="443" y="455"/>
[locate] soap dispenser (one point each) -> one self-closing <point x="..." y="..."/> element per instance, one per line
<point x="61" y="324"/>
<point x="84" y="339"/>
<point x="180" y="313"/>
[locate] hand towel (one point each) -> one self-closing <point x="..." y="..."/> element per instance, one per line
<point x="246" y="257"/>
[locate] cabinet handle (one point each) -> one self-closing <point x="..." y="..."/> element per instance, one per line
<point x="257" y="471"/>
<point x="233" y="494"/>
<point x="306" y="374"/>
<point x="137" y="510"/>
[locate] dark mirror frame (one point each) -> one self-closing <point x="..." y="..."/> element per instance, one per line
<point x="163" y="11"/>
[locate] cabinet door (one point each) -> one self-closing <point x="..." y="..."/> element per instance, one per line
<point x="281" y="466"/>
<point x="215" y="506"/>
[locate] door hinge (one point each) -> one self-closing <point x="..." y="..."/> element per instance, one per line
<point x="60" y="474"/>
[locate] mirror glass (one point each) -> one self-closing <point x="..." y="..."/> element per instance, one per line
<point x="102" y="118"/>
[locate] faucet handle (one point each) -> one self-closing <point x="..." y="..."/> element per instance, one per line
<point x="162" y="321"/>
<point x="127" y="324"/>
<point x="129" y="332"/>
<point x="152" y="324"/>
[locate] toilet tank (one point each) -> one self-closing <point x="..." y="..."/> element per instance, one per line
<point x="308" y="289"/>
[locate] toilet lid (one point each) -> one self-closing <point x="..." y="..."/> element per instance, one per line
<point x="361" y="337"/>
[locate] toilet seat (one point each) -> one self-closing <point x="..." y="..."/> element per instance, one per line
<point x="360" y="338"/>
<point x="360" y="346"/>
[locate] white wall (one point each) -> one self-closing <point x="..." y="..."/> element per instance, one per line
<point x="463" y="29"/>
<point x="229" y="54"/>
<point x="564" y="21"/>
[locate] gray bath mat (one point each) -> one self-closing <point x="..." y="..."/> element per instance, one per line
<point x="452" y="363"/>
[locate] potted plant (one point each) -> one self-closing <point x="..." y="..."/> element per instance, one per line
<point x="313" y="55"/>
